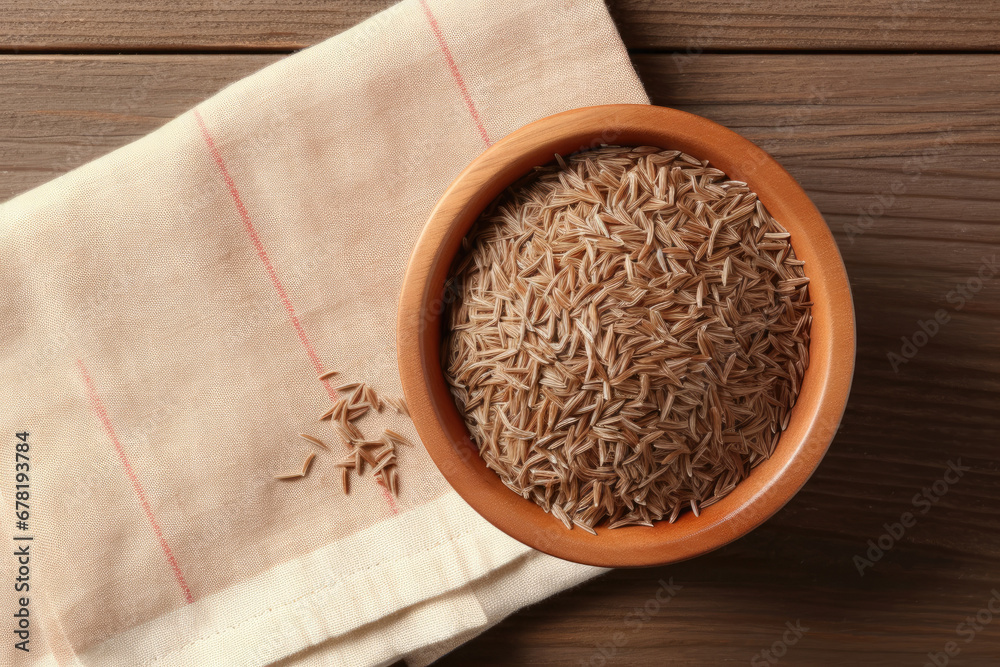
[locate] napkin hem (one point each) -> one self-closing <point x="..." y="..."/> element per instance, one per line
<point x="317" y="602"/>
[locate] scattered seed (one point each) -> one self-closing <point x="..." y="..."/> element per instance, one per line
<point x="399" y="405"/>
<point x="396" y="438"/>
<point x="315" y="441"/>
<point x="329" y="413"/>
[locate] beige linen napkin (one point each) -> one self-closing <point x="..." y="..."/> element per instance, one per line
<point x="168" y="308"/>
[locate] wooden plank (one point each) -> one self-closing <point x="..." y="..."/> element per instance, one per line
<point x="684" y="26"/>
<point x="846" y="138"/>
<point x="924" y="129"/>
<point x="58" y="112"/>
<point x="692" y="26"/>
<point x="191" y="25"/>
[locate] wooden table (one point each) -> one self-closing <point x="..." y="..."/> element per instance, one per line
<point x="887" y="111"/>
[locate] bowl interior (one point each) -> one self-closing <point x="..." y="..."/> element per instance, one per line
<point x="825" y="386"/>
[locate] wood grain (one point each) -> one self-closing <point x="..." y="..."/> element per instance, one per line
<point x="848" y="127"/>
<point x="693" y="26"/>
<point x="846" y="138"/>
<point x="683" y="26"/>
<point x="58" y="112"/>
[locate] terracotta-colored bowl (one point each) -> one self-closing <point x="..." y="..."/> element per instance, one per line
<point x="814" y="418"/>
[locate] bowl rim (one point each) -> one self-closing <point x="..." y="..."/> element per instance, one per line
<point x="825" y="387"/>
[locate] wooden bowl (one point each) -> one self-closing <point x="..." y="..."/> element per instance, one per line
<point x="825" y="387"/>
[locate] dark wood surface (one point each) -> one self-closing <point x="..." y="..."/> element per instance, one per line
<point x="256" y="25"/>
<point x="899" y="146"/>
<point x="848" y="127"/>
